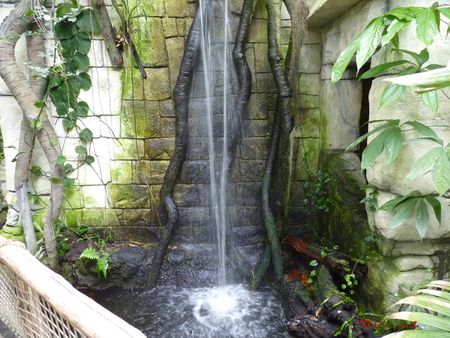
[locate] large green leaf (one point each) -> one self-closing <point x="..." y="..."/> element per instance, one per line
<point x="418" y="334"/>
<point x="440" y="176"/>
<point x="425" y="131"/>
<point x="420" y="58"/>
<point x="393" y="144"/>
<point x="363" y="137"/>
<point x="403" y="13"/>
<point x="82" y="109"/>
<point x="65" y="29"/>
<point x="422" y="218"/>
<point x="81" y="42"/>
<point x="403" y="214"/>
<point x="436" y="205"/>
<point x="394" y="27"/>
<point x="435" y="304"/>
<point x="423" y="163"/>
<point x="427" y="21"/>
<point x="343" y="60"/>
<point x="80" y="61"/>
<point x="445" y="11"/>
<point x="370" y="39"/>
<point x="87" y="22"/>
<point x="391" y="94"/>
<point x="396" y="203"/>
<point x="431" y="100"/>
<point x="424" y="318"/>
<point x="377" y="70"/>
<point x="373" y="149"/>
<point x="85" y="81"/>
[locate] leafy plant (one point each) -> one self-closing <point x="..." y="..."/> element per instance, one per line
<point x="429" y="308"/>
<point x="371" y="198"/>
<point x="318" y="194"/>
<point x="101" y="258"/>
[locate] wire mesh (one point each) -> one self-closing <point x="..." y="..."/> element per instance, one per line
<point x="27" y="314"/>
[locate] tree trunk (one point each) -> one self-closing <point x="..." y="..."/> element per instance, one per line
<point x="12" y="27"/>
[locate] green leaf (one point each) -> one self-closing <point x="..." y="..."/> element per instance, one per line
<point x="55" y="80"/>
<point x="90" y="159"/>
<point x="86" y="134"/>
<point x="68" y="182"/>
<point x="82" y="109"/>
<point x="391" y="94"/>
<point x="67" y="123"/>
<point x="377" y="70"/>
<point x="396" y="203"/>
<point x="420" y="58"/>
<point x="60" y="160"/>
<point x="363" y="137"/>
<point x="80" y="61"/>
<point x="373" y="149"/>
<point x="436" y="205"/>
<point x="431" y="100"/>
<point x="393" y="144"/>
<point x="65" y="30"/>
<point x="403" y="13"/>
<point x="422" y="218"/>
<point x="55" y="180"/>
<point x="425" y="131"/>
<point x="80" y="150"/>
<point x="427" y="21"/>
<point x="40" y="104"/>
<point x="424" y="318"/>
<point x="392" y="30"/>
<point x="63" y="9"/>
<point x="343" y="60"/>
<point x="423" y="163"/>
<point x="440" y="176"/>
<point x="445" y="11"/>
<point x="370" y="39"/>
<point x="85" y="81"/>
<point x="68" y="168"/>
<point x="81" y="43"/>
<point x="403" y="214"/>
<point x="87" y="21"/>
<point x="30" y="12"/>
<point x="90" y="253"/>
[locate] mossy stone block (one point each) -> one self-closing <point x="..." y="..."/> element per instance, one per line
<point x="150" y="42"/>
<point x="129" y="196"/>
<point x="157" y="86"/>
<point x="121" y="172"/>
<point x="133" y="85"/>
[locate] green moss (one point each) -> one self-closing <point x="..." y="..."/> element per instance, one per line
<point x="122" y="172"/>
<point x="73" y="197"/>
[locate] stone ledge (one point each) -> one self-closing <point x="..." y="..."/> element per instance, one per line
<point x="323" y="12"/>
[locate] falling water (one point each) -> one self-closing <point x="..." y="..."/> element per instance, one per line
<point x="216" y="74"/>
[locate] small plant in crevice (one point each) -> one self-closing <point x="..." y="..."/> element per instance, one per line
<point x="371" y="199"/>
<point x="318" y="192"/>
<point x="102" y="260"/>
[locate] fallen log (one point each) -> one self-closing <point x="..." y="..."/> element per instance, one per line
<point x="338" y="262"/>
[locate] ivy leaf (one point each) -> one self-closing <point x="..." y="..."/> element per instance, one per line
<point x="369" y="42"/>
<point x="67" y="123"/>
<point x="40" y="104"/>
<point x="423" y="163"/>
<point x="60" y="160"/>
<point x="422" y="218"/>
<point x="55" y="80"/>
<point x="81" y="42"/>
<point x="431" y="100"/>
<point x="427" y="21"/>
<point x="63" y="9"/>
<point x="403" y="214"/>
<point x="436" y="205"/>
<point x="86" y="134"/>
<point x="87" y="21"/>
<point x="391" y="94"/>
<point x="68" y="182"/>
<point x="55" y="180"/>
<point x="80" y="150"/>
<point x="343" y="60"/>
<point x="82" y="109"/>
<point x="81" y="61"/>
<point x="393" y="144"/>
<point x="30" y="12"/>
<point x="68" y="168"/>
<point x="65" y="30"/>
<point x="90" y="159"/>
<point x="440" y="176"/>
<point x="85" y="81"/>
<point x="377" y="70"/>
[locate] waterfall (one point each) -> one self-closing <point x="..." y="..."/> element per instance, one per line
<point x="217" y="76"/>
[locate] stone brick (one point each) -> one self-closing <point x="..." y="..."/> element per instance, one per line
<point x="257" y="107"/>
<point x="168" y="127"/>
<point x="121" y="172"/>
<point x="408" y="263"/>
<point x="309" y="101"/>
<point x="136" y="217"/>
<point x="129" y="149"/>
<point x="177" y="8"/>
<point x="258" y="31"/>
<point x="133" y="84"/>
<point x="160" y="148"/>
<point x="94" y="196"/>
<point x="195" y="172"/>
<point x="251" y="170"/>
<point x="170" y="27"/>
<point x="306" y="123"/>
<point x="248" y="194"/>
<point x="167" y="108"/>
<point x="149" y="172"/>
<point x="196" y="216"/>
<point x="309" y="84"/>
<point x="261" y="59"/>
<point x="192" y="195"/>
<point x="307" y="158"/>
<point x="254" y="148"/>
<point x="129" y="196"/>
<point x="141" y="119"/>
<point x="149" y="8"/>
<point x="157" y="85"/>
<point x="150" y="42"/>
<point x="265" y="83"/>
<point x="256" y="128"/>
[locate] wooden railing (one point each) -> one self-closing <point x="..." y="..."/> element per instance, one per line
<point x="36" y="302"/>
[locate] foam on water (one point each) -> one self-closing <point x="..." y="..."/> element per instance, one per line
<point x="221" y="312"/>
